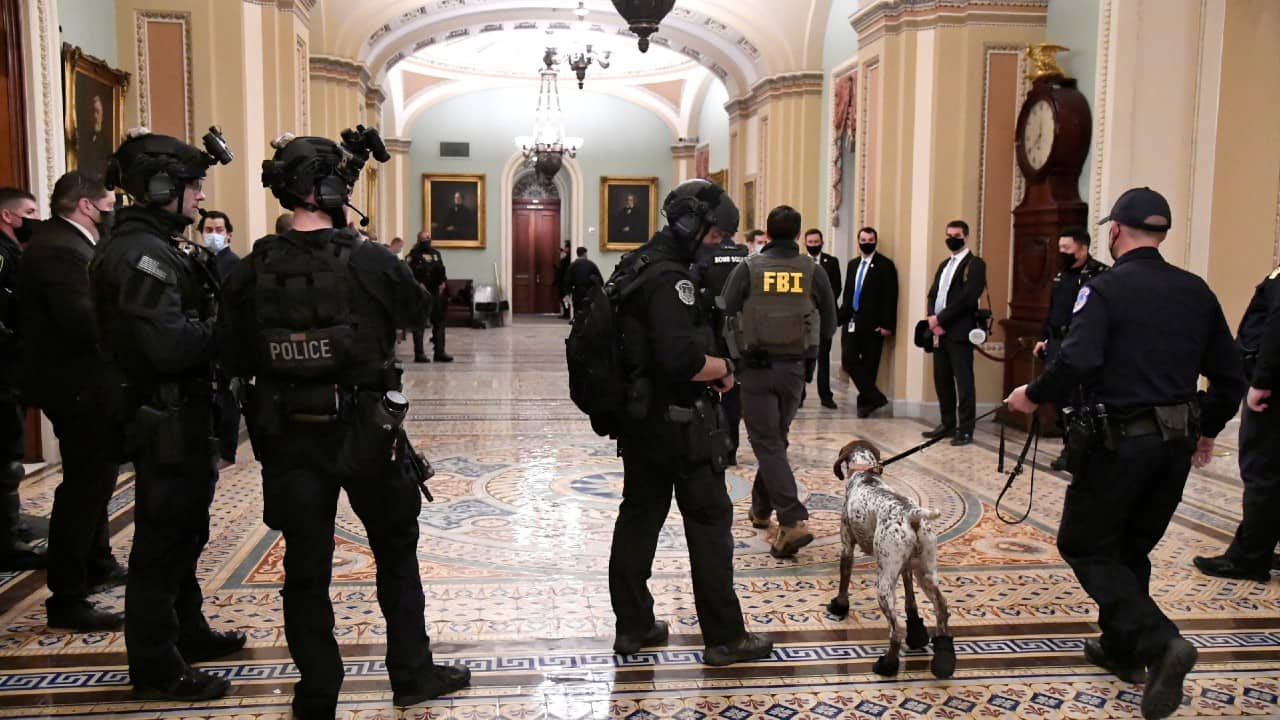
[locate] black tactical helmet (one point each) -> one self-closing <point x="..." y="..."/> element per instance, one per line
<point x="154" y="169"/>
<point x="302" y="165"/>
<point x="694" y="206"/>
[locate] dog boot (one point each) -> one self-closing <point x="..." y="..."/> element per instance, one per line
<point x="790" y="539"/>
<point x="917" y="633"/>
<point x="885" y="666"/>
<point x="944" y="656"/>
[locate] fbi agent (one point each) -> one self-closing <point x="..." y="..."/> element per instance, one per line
<point x="779" y="306"/>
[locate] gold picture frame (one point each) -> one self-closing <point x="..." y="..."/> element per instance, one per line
<point x="448" y="203"/>
<point x="622" y="197"/>
<point x="721" y="178"/>
<point x="92" y="130"/>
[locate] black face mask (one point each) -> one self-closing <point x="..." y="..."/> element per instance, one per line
<point x="954" y="243"/>
<point x="23" y="231"/>
<point x="867" y="248"/>
<point x="1066" y="260"/>
<point x="814" y="250"/>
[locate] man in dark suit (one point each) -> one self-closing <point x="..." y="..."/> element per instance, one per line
<point x="831" y="265"/>
<point x="629" y="223"/>
<point x="868" y="315"/>
<point x="216" y="229"/>
<point x="459" y="221"/>
<point x="63" y="375"/>
<point x="953" y="299"/>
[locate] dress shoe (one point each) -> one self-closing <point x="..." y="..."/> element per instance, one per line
<point x="631" y="644"/>
<point x="940" y="431"/>
<point x="1060" y="463"/>
<point x="759" y="520"/>
<point x="113" y="576"/>
<point x="751" y="646"/>
<point x="191" y="685"/>
<point x="217" y="644"/>
<point x="1275" y="562"/>
<point x="1163" y="692"/>
<point x="790" y="539"/>
<point x="829" y="403"/>
<point x="865" y="411"/>
<point x="1130" y="671"/>
<point x="22" y="556"/>
<point x="962" y="438"/>
<point x="442" y="357"/>
<point x="1224" y="567"/>
<point x="444" y="679"/>
<point x="421" y="359"/>
<point x="80" y="616"/>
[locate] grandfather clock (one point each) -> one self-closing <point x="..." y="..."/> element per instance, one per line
<point x="1053" y="131"/>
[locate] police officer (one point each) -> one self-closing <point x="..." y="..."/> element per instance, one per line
<point x="18" y="218"/>
<point x="155" y="308"/>
<point x="1250" y="555"/>
<point x="428" y="269"/>
<point x="671" y="440"/>
<point x="582" y="276"/>
<point x="1076" y="267"/>
<point x="1141" y="335"/>
<point x="711" y="273"/>
<point x="312" y="317"/>
<point x="779" y="307"/>
<point x="830" y="264"/>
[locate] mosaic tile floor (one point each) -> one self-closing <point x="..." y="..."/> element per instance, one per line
<point x="514" y="552"/>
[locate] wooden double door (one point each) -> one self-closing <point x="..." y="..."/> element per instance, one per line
<point x="535" y="252"/>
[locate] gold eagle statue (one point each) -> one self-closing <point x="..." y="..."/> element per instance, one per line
<point x="1044" y="64"/>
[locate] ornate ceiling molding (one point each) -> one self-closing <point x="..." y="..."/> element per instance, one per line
<point x="800" y="83"/>
<point x="893" y="17"/>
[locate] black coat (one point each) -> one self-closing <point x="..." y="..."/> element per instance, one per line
<point x="61" y="353"/>
<point x="831" y="264"/>
<point x="582" y="274"/>
<point x="224" y="262"/>
<point x="967" y="285"/>
<point x="878" y="303"/>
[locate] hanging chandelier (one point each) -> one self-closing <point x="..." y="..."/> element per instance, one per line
<point x="581" y="57"/>
<point x="643" y="16"/>
<point x="548" y="145"/>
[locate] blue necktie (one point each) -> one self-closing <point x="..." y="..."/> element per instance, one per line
<point x="857" y="285"/>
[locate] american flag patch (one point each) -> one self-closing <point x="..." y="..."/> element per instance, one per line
<point x="152" y="267"/>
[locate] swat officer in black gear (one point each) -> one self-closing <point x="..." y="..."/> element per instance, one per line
<point x="312" y="317"/>
<point x="673" y="437"/>
<point x="155" y="307"/>
<point x="779" y="306"/>
<point x="1077" y="267"/>
<point x="428" y="269"/>
<point x="711" y="273"/>
<point x="1250" y="555"/>
<point x="1141" y="335"/>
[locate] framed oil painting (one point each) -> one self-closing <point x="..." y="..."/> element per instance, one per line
<point x="93" y="102"/>
<point x="628" y="212"/>
<point x="453" y="209"/>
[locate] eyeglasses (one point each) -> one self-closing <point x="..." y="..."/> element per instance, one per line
<point x="197" y="185"/>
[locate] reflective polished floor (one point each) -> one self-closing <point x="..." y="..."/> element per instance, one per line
<point x="514" y="553"/>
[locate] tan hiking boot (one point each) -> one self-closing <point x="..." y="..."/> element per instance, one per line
<point x="790" y="539"/>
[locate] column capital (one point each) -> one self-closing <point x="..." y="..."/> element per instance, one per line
<point x="397" y="145"/>
<point x="879" y="18"/>
<point x="682" y="150"/>
<point x="807" y="82"/>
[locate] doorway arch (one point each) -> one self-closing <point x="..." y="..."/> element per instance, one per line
<point x="569" y="182"/>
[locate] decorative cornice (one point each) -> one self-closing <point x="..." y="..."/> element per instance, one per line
<point x="397" y="145"/>
<point x="683" y="151"/>
<point x="375" y="96"/>
<point x="893" y="17"/>
<point x="340" y="69"/>
<point x="798" y="83"/>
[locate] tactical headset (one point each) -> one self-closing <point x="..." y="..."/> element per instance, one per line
<point x="302" y="165"/>
<point x="694" y="206"/>
<point x="155" y="169"/>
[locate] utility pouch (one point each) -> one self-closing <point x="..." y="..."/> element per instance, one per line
<point x="366" y="445"/>
<point x="157" y="434"/>
<point x="1174" y="421"/>
<point x="311" y="403"/>
<point x="1107" y="434"/>
<point x="1079" y="437"/>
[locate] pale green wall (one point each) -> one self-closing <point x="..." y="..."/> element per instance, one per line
<point x="619" y="138"/>
<point x="1074" y="24"/>
<point x="840" y="44"/>
<point x="90" y="25"/>
<point x="713" y="125"/>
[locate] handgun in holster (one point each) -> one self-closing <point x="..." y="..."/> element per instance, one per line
<point x="413" y="464"/>
<point x="157" y="426"/>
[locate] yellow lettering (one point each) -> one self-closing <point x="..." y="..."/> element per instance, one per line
<point x="769" y="278"/>
<point x="784" y="282"/>
<point x="797" y="280"/>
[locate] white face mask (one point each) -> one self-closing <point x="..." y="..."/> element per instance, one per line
<point x="215" y="242"/>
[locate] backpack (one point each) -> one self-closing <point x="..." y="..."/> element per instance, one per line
<point x="599" y="374"/>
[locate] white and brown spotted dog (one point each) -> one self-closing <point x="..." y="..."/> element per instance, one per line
<point x="890" y="528"/>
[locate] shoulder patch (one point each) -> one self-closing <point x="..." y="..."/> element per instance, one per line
<point x="152" y="267"/>
<point x="684" y="289"/>
<point x="1082" y="297"/>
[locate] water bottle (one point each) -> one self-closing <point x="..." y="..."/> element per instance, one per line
<point x="389" y="412"/>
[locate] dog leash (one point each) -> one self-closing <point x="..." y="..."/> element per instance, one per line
<point x="934" y="441"/>
<point x="1032" y="443"/>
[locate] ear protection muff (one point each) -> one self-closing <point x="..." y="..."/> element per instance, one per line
<point x="692" y="217"/>
<point x="331" y="192"/>
<point x="161" y="189"/>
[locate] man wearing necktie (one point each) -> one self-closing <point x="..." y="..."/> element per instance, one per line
<point x="868" y="315"/>
<point x="953" y="300"/>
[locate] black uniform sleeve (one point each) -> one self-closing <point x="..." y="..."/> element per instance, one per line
<point x="826" y="302"/>
<point x="236" y="322"/>
<point x="1082" y="352"/>
<point x="672" y="315"/>
<point x="1267" y="370"/>
<point x="889" y="320"/>
<point x="1224" y="367"/>
<point x="150" y="302"/>
<point x="1045" y="327"/>
<point x="970" y="293"/>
